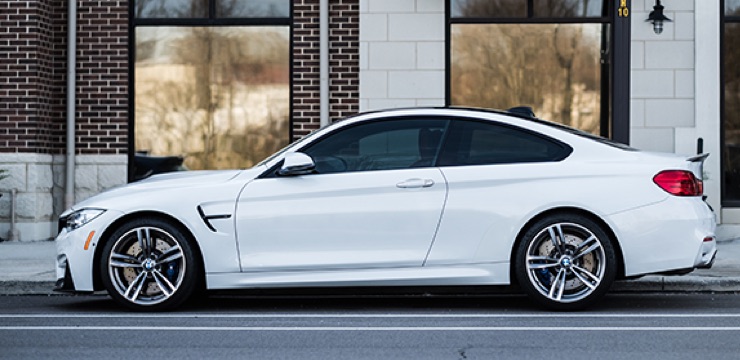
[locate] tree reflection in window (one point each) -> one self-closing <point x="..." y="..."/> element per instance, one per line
<point x="168" y="9"/>
<point x="489" y="8"/>
<point x="555" y="68"/>
<point x="522" y="8"/>
<point x="252" y="8"/>
<point x="503" y="57"/>
<point x="165" y="9"/>
<point x="218" y="95"/>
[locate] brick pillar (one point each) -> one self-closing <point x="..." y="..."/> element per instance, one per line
<point x="26" y="71"/>
<point x="33" y="65"/>
<point x="344" y="62"/>
<point x="102" y="77"/>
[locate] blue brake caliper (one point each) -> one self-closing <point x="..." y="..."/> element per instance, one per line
<point x="171" y="271"/>
<point x="544" y="276"/>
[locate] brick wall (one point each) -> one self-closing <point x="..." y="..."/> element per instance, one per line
<point x="26" y="72"/>
<point x="102" y="77"/>
<point x="33" y="66"/>
<point x="344" y="61"/>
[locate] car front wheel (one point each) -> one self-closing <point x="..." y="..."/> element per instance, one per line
<point x="148" y="264"/>
<point x="565" y="262"/>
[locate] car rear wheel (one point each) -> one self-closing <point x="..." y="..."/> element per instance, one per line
<point x="149" y="264"/>
<point x="565" y="262"/>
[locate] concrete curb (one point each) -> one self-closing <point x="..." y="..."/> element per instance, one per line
<point x="678" y="284"/>
<point x="27" y="288"/>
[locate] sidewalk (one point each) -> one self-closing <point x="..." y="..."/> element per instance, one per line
<point x="28" y="268"/>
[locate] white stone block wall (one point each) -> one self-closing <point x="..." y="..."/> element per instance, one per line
<point x="402" y="53"/>
<point x="39" y="182"/>
<point x="662" y="84"/>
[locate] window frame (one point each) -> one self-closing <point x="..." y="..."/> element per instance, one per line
<point x="724" y="20"/>
<point x="615" y="124"/>
<point x="211" y="21"/>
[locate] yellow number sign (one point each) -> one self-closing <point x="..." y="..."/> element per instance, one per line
<point x="623" y="10"/>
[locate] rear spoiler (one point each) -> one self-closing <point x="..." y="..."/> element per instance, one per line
<point x="699" y="166"/>
<point x="698" y="158"/>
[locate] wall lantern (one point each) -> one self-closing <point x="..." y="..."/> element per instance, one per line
<point x="657" y="18"/>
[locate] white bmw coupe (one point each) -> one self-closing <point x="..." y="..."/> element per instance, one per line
<point x="409" y="197"/>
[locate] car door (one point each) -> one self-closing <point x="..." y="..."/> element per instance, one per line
<point x="496" y="174"/>
<point x="374" y="201"/>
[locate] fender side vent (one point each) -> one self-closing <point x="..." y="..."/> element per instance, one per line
<point x="207" y="218"/>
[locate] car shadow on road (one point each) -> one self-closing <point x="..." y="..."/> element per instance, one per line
<point x="271" y="302"/>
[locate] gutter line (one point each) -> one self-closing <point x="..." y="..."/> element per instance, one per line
<point x="323" y="63"/>
<point x="69" y="184"/>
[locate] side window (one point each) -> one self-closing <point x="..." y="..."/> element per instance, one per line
<point x="480" y="143"/>
<point x="379" y="145"/>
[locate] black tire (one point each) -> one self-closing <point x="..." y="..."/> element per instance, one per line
<point x="149" y="265"/>
<point x="570" y="274"/>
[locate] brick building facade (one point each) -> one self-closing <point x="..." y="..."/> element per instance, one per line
<point x="33" y="73"/>
<point x="33" y="76"/>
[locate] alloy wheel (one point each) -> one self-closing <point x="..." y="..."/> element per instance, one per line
<point x="147" y="265"/>
<point x="566" y="262"/>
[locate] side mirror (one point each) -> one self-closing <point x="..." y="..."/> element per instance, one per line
<point x="296" y="163"/>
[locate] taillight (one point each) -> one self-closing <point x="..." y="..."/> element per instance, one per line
<point x="679" y="183"/>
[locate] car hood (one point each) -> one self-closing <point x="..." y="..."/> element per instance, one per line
<point x="178" y="178"/>
<point x="164" y="182"/>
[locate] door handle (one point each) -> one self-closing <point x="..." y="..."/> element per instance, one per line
<point x="415" y="183"/>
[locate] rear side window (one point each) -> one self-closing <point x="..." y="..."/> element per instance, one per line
<point x="483" y="143"/>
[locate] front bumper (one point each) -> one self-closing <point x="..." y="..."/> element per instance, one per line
<point x="75" y="261"/>
<point x="65" y="283"/>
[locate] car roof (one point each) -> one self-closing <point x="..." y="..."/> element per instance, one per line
<point x="514" y="116"/>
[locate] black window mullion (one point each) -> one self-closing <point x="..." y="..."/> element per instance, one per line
<point x="214" y="22"/>
<point x="728" y="195"/>
<point x="530" y="8"/>
<point x="212" y="9"/>
<point x="621" y="46"/>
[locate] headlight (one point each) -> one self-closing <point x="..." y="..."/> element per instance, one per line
<point x="81" y="217"/>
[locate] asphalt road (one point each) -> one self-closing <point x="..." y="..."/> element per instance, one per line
<point x="622" y="326"/>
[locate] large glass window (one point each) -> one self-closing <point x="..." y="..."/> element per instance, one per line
<point x="551" y="55"/>
<point x="731" y="103"/>
<point x="215" y="93"/>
